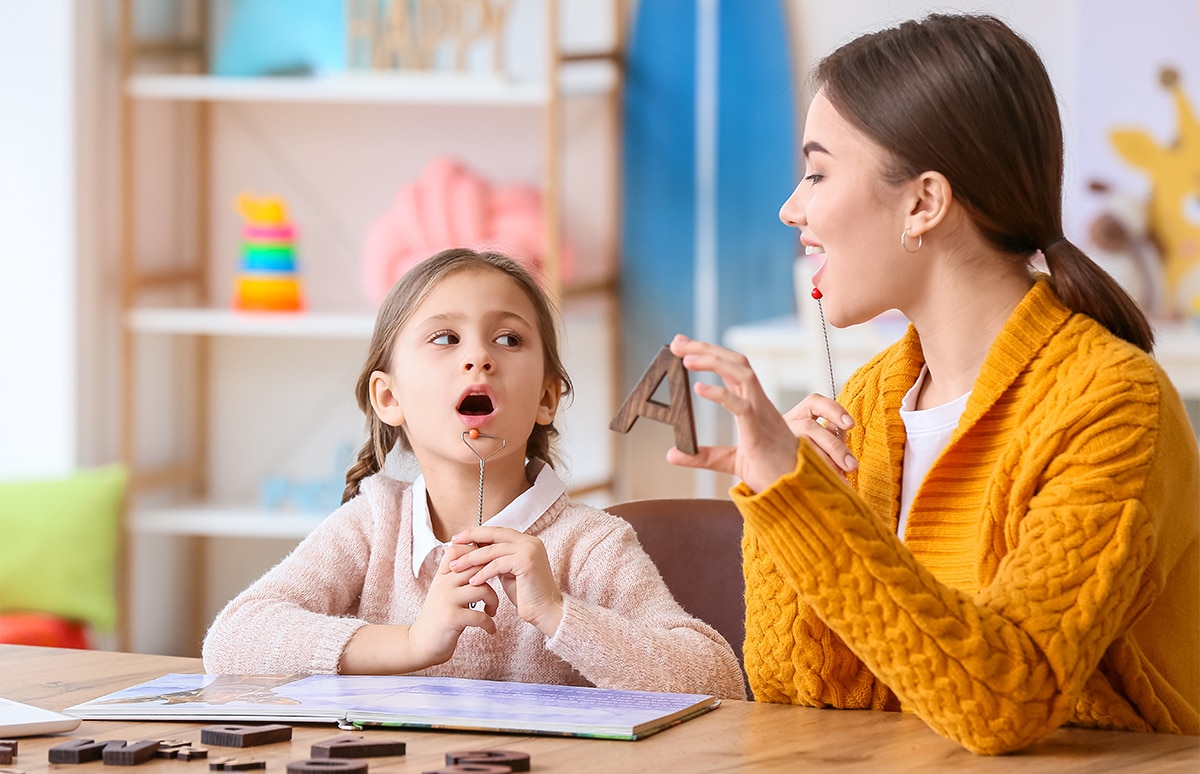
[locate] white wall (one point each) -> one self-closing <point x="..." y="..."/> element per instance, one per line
<point x="1049" y="25"/>
<point x="38" y="390"/>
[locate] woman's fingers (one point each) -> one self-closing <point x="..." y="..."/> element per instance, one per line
<point x="718" y="458"/>
<point x="819" y="407"/>
<point x="824" y="422"/>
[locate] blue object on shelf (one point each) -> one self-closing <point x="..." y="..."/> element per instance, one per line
<point x="278" y="37"/>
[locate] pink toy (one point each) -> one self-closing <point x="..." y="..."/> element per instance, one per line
<point x="449" y="206"/>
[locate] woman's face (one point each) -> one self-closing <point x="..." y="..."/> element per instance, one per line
<point x="846" y="210"/>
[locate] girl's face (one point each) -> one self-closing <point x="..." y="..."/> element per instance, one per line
<point x="470" y="356"/>
<point x="846" y="210"/>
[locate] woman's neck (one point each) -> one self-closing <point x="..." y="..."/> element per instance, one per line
<point x="453" y="491"/>
<point x="968" y="305"/>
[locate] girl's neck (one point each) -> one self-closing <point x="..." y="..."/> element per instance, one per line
<point x="453" y="491"/>
<point x="968" y="306"/>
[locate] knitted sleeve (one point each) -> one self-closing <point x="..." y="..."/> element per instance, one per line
<point x="791" y="655"/>
<point x="1002" y="668"/>
<point x="622" y="628"/>
<point x="296" y="618"/>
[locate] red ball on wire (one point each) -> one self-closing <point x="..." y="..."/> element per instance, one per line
<point x="816" y="293"/>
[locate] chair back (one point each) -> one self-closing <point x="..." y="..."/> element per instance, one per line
<point x="697" y="545"/>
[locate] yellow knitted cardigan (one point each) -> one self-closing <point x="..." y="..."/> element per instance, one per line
<point x="1050" y="571"/>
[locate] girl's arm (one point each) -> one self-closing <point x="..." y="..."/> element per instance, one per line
<point x="298" y="617"/>
<point x="304" y="615"/>
<point x="608" y="613"/>
<point x="622" y="628"/>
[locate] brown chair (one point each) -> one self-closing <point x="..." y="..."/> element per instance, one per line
<point x="697" y="545"/>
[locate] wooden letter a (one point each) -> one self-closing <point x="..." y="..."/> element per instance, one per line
<point x="641" y="402"/>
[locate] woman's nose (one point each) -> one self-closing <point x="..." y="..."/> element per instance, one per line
<point x="792" y="211"/>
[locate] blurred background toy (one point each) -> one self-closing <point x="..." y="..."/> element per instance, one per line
<point x="267" y="280"/>
<point x="451" y="206"/>
<point x="1174" y="171"/>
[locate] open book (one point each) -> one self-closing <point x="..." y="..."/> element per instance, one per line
<point x="403" y="701"/>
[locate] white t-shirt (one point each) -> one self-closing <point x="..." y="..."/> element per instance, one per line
<point x="927" y="433"/>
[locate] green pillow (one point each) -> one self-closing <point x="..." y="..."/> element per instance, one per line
<point x="58" y="545"/>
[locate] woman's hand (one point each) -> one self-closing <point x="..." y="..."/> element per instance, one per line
<point x="767" y="440"/>
<point x="823" y="421"/>
<point x="521" y="564"/>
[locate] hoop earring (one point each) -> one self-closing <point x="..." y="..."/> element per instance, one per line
<point x="904" y="242"/>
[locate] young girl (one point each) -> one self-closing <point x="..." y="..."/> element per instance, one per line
<point x="464" y="367"/>
<point x="997" y="525"/>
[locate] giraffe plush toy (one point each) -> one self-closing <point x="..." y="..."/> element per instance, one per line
<point x="1173" y="209"/>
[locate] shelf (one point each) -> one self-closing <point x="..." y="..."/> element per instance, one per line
<point x="226" y="322"/>
<point x="211" y="520"/>
<point x="368" y="88"/>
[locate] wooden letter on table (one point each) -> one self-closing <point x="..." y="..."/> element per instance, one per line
<point x="641" y="401"/>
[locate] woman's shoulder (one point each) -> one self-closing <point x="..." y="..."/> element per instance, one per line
<point x="1084" y="356"/>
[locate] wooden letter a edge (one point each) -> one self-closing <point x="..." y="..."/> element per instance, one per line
<point x="641" y="402"/>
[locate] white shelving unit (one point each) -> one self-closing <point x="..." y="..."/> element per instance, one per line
<point x="227" y="322"/>
<point x="182" y="506"/>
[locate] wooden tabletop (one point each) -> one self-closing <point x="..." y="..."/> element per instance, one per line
<point x="737" y="736"/>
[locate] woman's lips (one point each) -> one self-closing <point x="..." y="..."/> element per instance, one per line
<point x="816" y="250"/>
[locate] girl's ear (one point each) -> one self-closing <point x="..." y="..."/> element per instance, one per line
<point x="548" y="405"/>
<point x="385" y="400"/>
<point x="931" y="201"/>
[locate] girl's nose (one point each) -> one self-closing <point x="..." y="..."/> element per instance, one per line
<point x="479" y="362"/>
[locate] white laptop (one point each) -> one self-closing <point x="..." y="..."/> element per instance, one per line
<point x="17" y="719"/>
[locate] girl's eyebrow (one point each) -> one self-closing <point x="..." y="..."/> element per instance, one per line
<point x="815" y="147"/>
<point x="500" y="315"/>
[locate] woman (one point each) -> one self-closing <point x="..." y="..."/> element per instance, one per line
<point x="995" y="526"/>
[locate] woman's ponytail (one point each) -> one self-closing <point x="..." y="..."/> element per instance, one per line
<point x="1084" y="287"/>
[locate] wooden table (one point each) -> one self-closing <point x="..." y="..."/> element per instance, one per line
<point x="737" y="736"/>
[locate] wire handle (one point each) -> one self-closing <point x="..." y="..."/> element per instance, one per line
<point x="467" y="437"/>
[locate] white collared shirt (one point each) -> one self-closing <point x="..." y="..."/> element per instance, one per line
<point x="520" y="514"/>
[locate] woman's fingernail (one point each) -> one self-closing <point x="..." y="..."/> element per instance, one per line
<point x="847" y="422"/>
<point x="851" y="463"/>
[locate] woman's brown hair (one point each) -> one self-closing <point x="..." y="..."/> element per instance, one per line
<point x="966" y="96"/>
<point x="395" y="311"/>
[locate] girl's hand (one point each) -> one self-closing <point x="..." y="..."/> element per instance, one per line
<point x="767" y="443"/>
<point x="823" y="421"/>
<point x="521" y="564"/>
<point x="434" y="635"/>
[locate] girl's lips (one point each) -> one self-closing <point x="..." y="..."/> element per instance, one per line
<point x="474" y="420"/>
<point x="476" y="406"/>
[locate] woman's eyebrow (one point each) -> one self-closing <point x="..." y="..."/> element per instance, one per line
<point x="815" y="147"/>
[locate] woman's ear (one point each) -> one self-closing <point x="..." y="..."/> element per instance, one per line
<point x="931" y="200"/>
<point x="385" y="400"/>
<point x="548" y="405"/>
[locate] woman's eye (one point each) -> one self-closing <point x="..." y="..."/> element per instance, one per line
<point x="508" y="339"/>
<point x="444" y="338"/>
<point x="814" y="178"/>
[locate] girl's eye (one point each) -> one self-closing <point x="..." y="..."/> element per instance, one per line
<point x="444" y="338"/>
<point x="814" y="178"/>
<point x="508" y="339"/>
